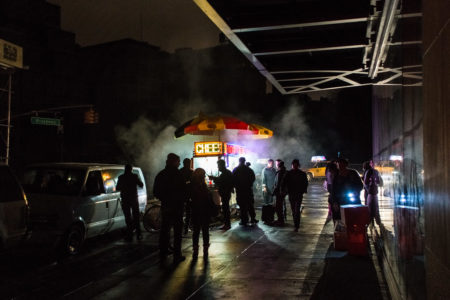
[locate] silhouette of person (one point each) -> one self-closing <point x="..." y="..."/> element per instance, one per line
<point x="279" y="193"/>
<point x="170" y="188"/>
<point x="268" y="175"/>
<point x="186" y="171"/>
<point x="347" y="184"/>
<point x="251" y="205"/>
<point x="372" y="180"/>
<point x="224" y="183"/>
<point x="127" y="185"/>
<point x="201" y="200"/>
<point x="243" y="178"/>
<point x="331" y="172"/>
<point x="296" y="184"/>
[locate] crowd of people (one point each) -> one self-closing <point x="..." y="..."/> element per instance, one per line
<point x="183" y="192"/>
<point x="344" y="186"/>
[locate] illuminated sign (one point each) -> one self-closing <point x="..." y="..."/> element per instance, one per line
<point x="208" y="148"/>
<point x="396" y="157"/>
<point x="11" y="55"/>
<point x="235" y="149"/>
<point x="317" y="158"/>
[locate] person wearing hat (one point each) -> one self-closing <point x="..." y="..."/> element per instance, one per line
<point x="243" y="179"/>
<point x="279" y="192"/>
<point x="296" y="184"/>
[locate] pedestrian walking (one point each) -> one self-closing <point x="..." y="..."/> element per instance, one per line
<point x="186" y="172"/>
<point x="331" y="172"/>
<point x="296" y="184"/>
<point x="372" y="180"/>
<point x="224" y="183"/>
<point x="268" y="175"/>
<point x="201" y="203"/>
<point x="127" y="184"/>
<point x="251" y="206"/>
<point x="170" y="188"/>
<point x="279" y="193"/>
<point x="243" y="179"/>
<point x="348" y="184"/>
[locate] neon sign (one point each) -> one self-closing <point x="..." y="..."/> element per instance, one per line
<point x="234" y="149"/>
<point x="208" y="148"/>
<point x="217" y="148"/>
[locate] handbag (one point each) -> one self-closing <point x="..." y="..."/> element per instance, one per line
<point x="213" y="209"/>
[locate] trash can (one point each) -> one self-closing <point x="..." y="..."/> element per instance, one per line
<point x="356" y="218"/>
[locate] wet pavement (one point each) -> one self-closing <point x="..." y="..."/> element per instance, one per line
<point x="257" y="262"/>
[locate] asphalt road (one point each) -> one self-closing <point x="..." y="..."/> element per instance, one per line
<point x="257" y="262"/>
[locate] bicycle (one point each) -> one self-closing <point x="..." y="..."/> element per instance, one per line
<point x="151" y="218"/>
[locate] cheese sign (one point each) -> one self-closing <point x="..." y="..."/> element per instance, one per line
<point x="208" y="148"/>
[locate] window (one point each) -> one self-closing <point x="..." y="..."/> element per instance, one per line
<point x="53" y="181"/>
<point x="9" y="186"/>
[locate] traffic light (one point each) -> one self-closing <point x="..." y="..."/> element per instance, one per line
<point x="91" y="117"/>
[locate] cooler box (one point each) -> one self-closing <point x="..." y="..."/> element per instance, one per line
<point x="355" y="214"/>
<point x="357" y="241"/>
<point x="340" y="237"/>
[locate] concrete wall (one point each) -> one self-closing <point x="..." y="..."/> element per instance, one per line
<point x="436" y="65"/>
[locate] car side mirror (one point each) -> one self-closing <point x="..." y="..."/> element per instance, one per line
<point x="110" y="186"/>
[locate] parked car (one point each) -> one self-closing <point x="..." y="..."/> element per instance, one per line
<point x="13" y="210"/>
<point x="75" y="201"/>
<point x="317" y="171"/>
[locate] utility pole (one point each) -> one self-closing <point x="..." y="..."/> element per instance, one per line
<point x="9" y="118"/>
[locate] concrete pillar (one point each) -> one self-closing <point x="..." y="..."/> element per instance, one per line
<point x="436" y="133"/>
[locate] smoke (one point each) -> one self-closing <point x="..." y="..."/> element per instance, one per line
<point x="291" y="136"/>
<point x="148" y="142"/>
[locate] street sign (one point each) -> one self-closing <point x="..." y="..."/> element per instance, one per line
<point x="11" y="55"/>
<point x="45" y="121"/>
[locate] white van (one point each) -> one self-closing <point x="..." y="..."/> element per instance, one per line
<point x="13" y="210"/>
<point x="75" y="201"/>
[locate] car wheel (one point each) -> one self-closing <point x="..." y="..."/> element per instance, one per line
<point x="71" y="244"/>
<point x="309" y="176"/>
<point x="152" y="218"/>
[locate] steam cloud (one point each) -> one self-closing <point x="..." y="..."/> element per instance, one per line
<point x="148" y="142"/>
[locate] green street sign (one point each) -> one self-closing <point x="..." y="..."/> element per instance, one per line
<point x="45" y="121"/>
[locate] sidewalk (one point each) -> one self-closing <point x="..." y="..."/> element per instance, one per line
<point x="259" y="262"/>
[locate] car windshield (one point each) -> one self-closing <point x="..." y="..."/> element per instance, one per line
<point x="53" y="181"/>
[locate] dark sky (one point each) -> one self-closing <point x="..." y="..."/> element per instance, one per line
<point x="169" y="24"/>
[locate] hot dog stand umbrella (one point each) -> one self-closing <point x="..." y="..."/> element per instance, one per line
<point x="221" y="131"/>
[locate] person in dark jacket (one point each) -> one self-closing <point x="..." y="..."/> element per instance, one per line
<point x="224" y="183"/>
<point x="268" y="181"/>
<point x="170" y="188"/>
<point x="127" y="185"/>
<point x="348" y="184"/>
<point x="243" y="178"/>
<point x="372" y="180"/>
<point x="279" y="193"/>
<point x="331" y="172"/>
<point x="201" y="201"/>
<point x="296" y="184"/>
<point x="251" y="205"/>
<point x="186" y="172"/>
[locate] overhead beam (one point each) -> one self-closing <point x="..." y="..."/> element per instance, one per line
<point x="306" y="50"/>
<point x="319" y="71"/>
<point x="299" y="25"/>
<point x="223" y="26"/>
<point x="386" y="22"/>
<point x="326" y="89"/>
<point x="314" y="24"/>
